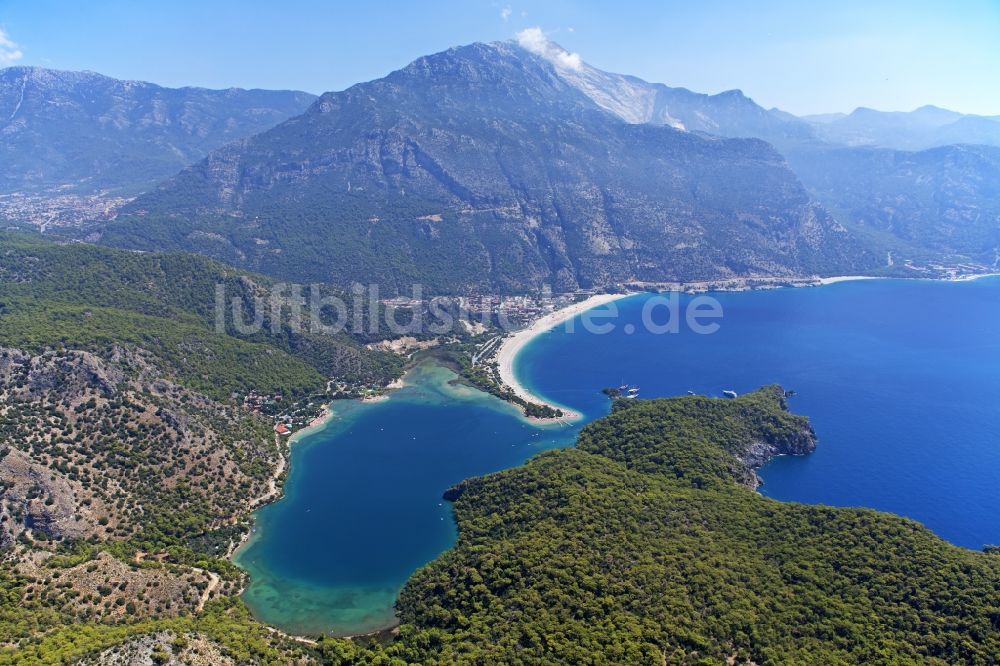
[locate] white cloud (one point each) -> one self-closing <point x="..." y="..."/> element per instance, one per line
<point x="534" y="40"/>
<point x="506" y="12"/>
<point x="10" y="52"/>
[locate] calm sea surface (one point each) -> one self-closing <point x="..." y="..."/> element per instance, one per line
<point x="901" y="380"/>
<point x="362" y="508"/>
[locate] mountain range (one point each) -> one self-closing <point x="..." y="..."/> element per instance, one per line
<point x="926" y="127"/>
<point x="503" y="167"/>
<point x="141" y="424"/>
<point x="935" y="205"/>
<point x="75" y="146"/>
<point x="87" y="132"/>
<point x="491" y="167"/>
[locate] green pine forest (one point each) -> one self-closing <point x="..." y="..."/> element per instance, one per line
<point x="80" y="296"/>
<point x="644" y="544"/>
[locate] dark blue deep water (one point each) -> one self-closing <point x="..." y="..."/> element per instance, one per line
<point x="901" y="380"/>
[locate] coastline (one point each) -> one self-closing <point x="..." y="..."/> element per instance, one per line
<point x="513" y="344"/>
<point x="342" y="410"/>
<point x="276" y="487"/>
<point x="972" y="276"/>
<point x="846" y="278"/>
<point x="505" y="356"/>
<point x="395" y="384"/>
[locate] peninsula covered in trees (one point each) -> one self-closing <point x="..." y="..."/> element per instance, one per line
<point x="643" y="544"/>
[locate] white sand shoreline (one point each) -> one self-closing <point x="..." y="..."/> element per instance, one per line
<point x="513" y="344"/>
<point x="394" y="385"/>
<point x="846" y="278"/>
<point x="966" y="277"/>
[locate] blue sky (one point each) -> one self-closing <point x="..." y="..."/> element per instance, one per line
<point x="804" y="57"/>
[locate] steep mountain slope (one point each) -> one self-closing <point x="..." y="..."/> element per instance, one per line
<point x="935" y="205"/>
<point x="926" y="127"/>
<point x="942" y="202"/>
<point x="88" y="132"/>
<point x="482" y="168"/>
<point x="113" y="368"/>
<point x="135" y="425"/>
<point x="74" y="145"/>
<point x="730" y="113"/>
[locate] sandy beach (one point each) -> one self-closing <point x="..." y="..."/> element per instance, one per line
<point x="846" y="278"/>
<point x="384" y="394"/>
<point x="958" y="278"/>
<point x="513" y="344"/>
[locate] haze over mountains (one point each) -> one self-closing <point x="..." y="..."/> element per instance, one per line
<point x="482" y="168"/>
<point x="939" y="204"/>
<point x="146" y="397"/>
<point x="926" y="127"/>
<point x="508" y="166"/>
<point x="74" y="146"/>
<point x="88" y="132"/>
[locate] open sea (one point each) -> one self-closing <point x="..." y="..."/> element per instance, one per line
<point x="900" y="378"/>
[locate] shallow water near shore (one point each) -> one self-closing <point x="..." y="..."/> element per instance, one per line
<point x="900" y="378"/>
<point x="362" y="508"/>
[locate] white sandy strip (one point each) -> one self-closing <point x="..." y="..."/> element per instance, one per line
<point x="960" y="278"/>
<point x="846" y="278"/>
<point x="512" y="345"/>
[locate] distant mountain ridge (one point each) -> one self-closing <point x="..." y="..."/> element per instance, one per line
<point x="941" y="203"/>
<point x="729" y="113"/>
<point x="83" y="132"/>
<point x="915" y="185"/>
<point x="926" y="127"/>
<point x="498" y="167"/>
<point x="486" y="167"/>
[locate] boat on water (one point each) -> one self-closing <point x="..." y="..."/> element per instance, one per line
<point x="730" y="394"/>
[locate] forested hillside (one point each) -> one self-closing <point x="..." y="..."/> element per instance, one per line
<point x="942" y="203"/>
<point x="135" y="436"/>
<point x="84" y="297"/>
<point x="642" y="545"/>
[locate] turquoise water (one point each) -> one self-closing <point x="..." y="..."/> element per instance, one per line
<point x="362" y="508"/>
<point x="901" y="380"/>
